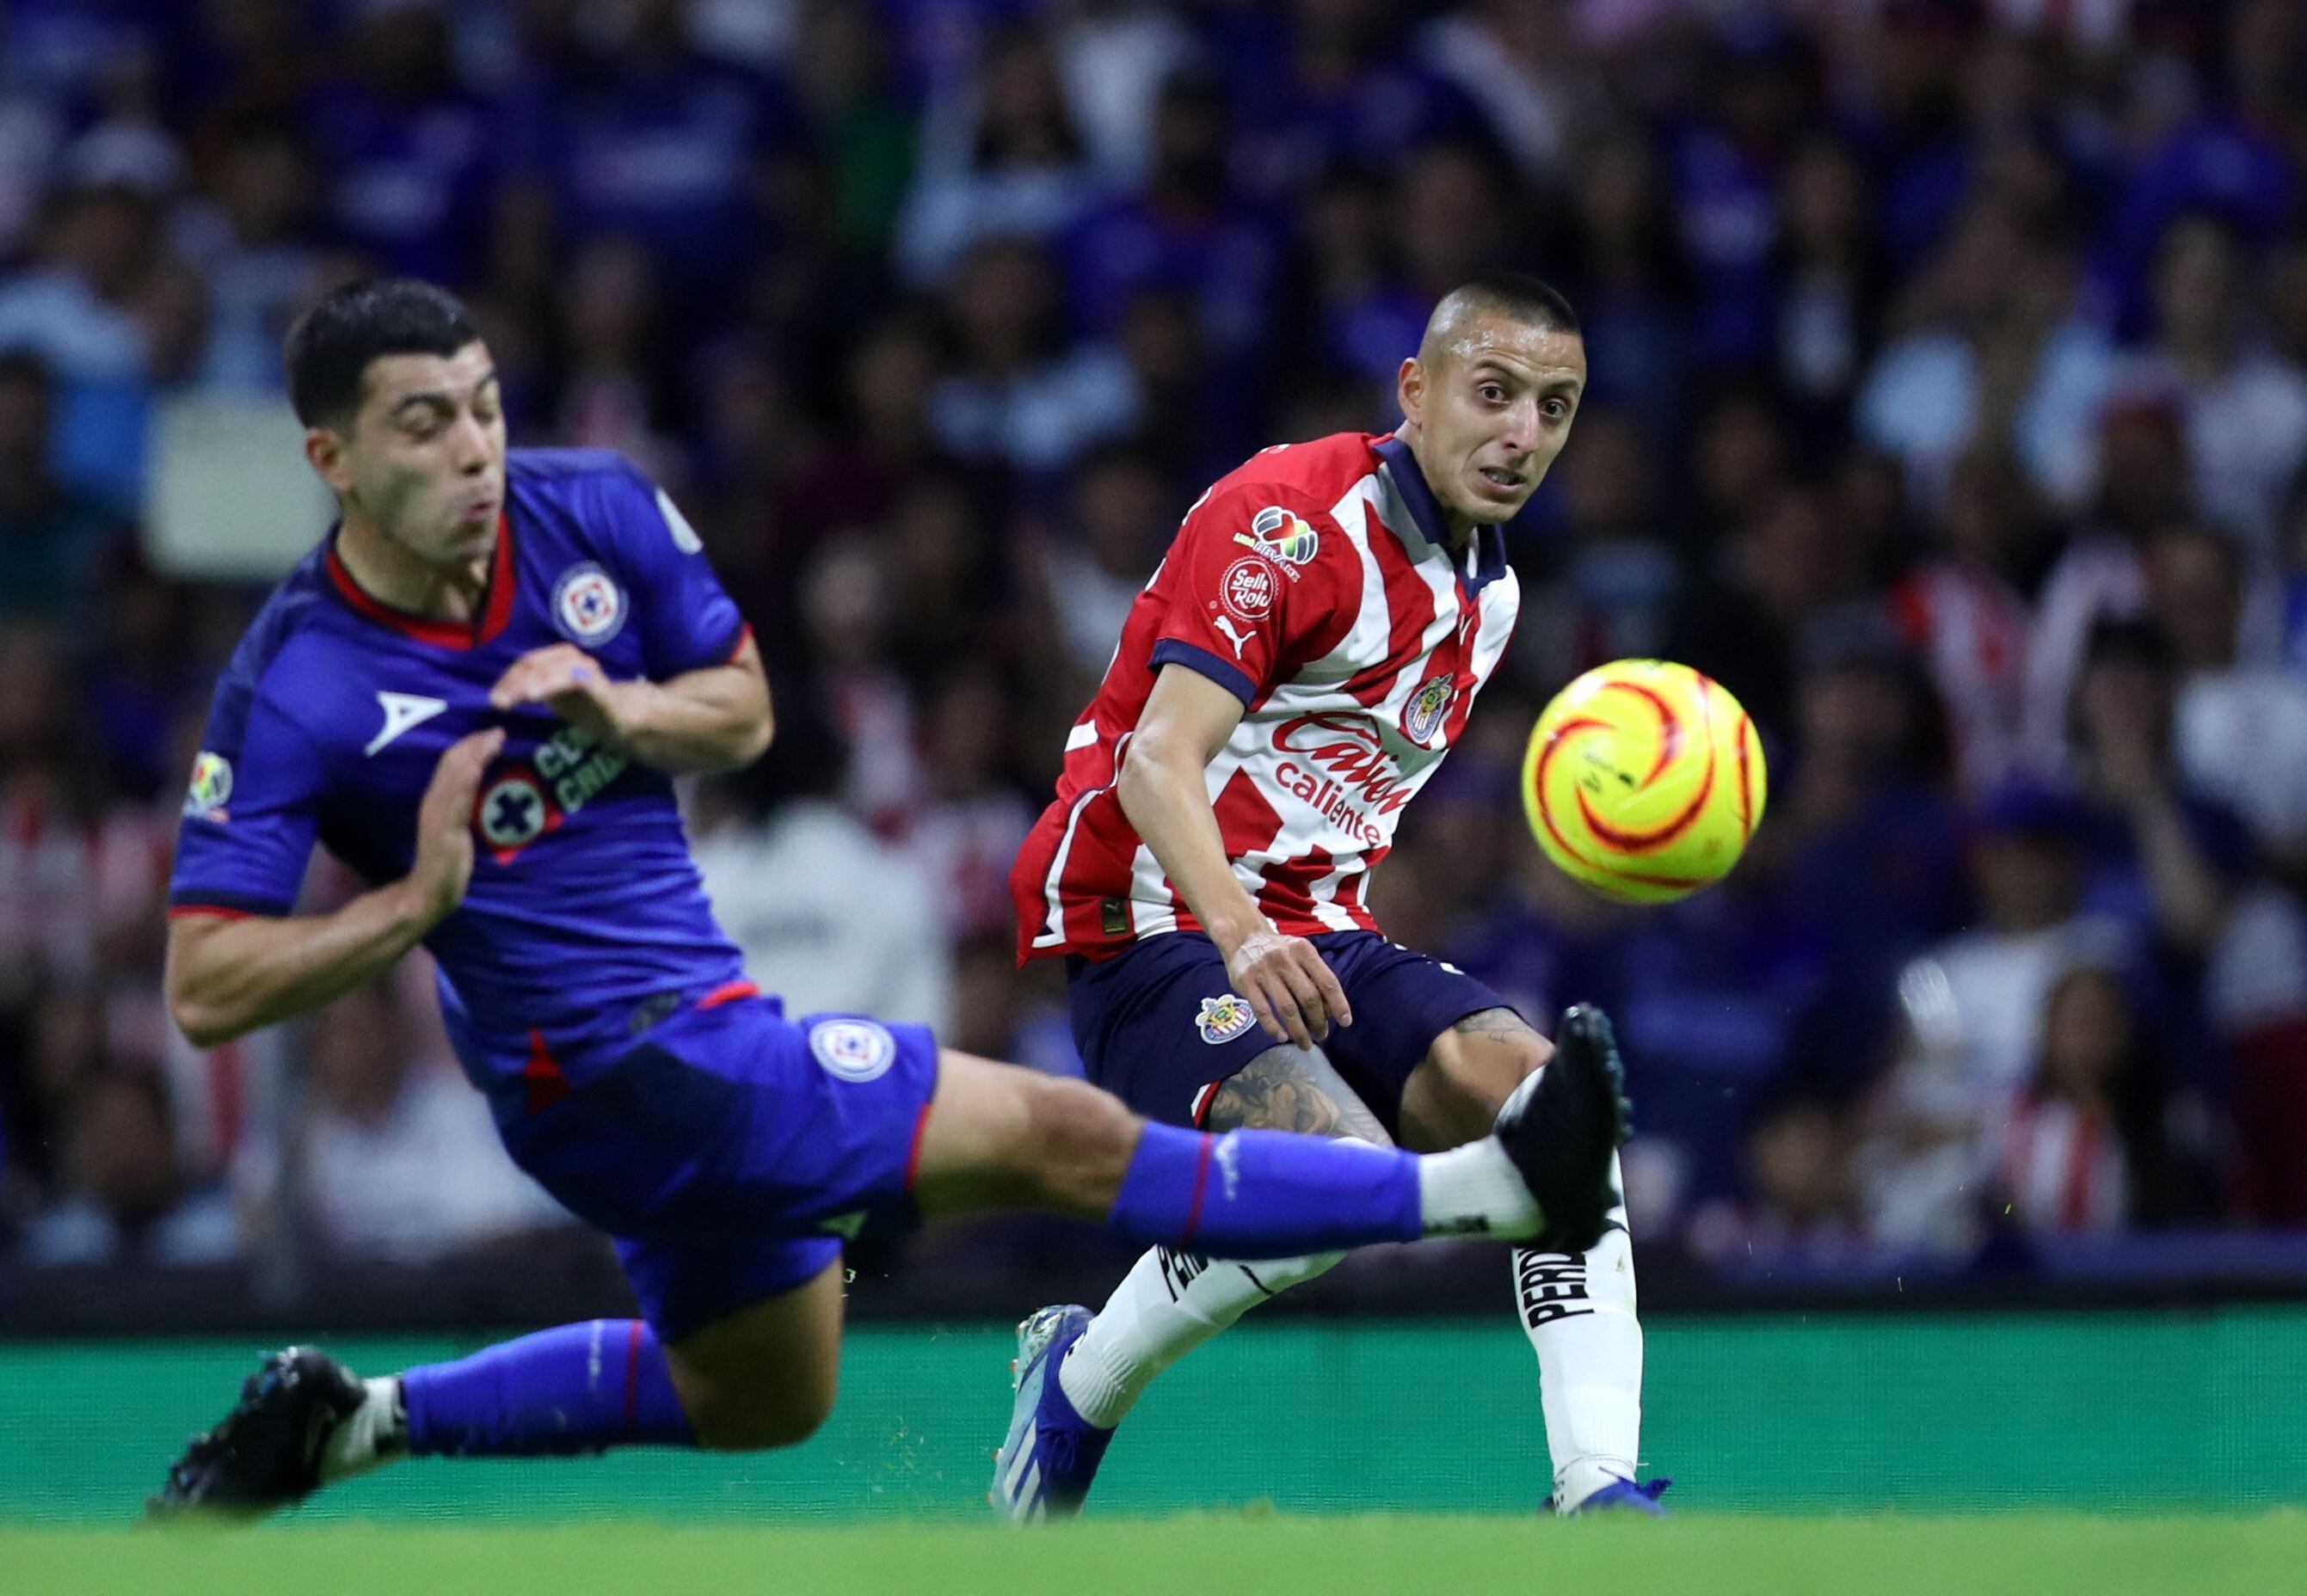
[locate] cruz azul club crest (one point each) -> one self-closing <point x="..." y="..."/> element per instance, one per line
<point x="587" y="605"/>
<point x="1428" y="709"/>
<point x="525" y="798"/>
<point x="855" y="1050"/>
<point x="1222" y="1018"/>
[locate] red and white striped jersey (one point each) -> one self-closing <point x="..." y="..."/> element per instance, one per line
<point x="1315" y="584"/>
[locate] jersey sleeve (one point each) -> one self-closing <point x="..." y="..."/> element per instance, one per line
<point x="688" y="622"/>
<point x="253" y="810"/>
<point x="1257" y="584"/>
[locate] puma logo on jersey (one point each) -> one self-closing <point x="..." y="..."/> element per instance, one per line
<point x="402" y="710"/>
<point x="1237" y="639"/>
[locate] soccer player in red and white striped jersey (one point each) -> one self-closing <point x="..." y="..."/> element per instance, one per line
<point x="1294" y="673"/>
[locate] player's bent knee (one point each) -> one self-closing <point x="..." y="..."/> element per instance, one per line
<point x="763" y="1423"/>
<point x="1453" y="1096"/>
<point x="1077" y="1145"/>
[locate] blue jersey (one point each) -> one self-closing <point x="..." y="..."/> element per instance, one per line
<point x="586" y="918"/>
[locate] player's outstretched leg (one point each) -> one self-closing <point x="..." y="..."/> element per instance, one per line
<point x="304" y="1420"/>
<point x="997" y="1136"/>
<point x="758" y="1375"/>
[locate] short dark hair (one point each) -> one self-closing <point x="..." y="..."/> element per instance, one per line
<point x="330" y="346"/>
<point x="1525" y="298"/>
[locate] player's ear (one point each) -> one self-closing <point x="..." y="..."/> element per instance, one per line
<point x="324" y="446"/>
<point x="1410" y="389"/>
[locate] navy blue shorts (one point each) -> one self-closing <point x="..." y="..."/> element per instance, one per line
<point x="731" y="1151"/>
<point x="1159" y="1025"/>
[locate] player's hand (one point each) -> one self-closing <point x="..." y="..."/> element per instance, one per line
<point x="444" y="823"/>
<point x="571" y="684"/>
<point x="1289" y="987"/>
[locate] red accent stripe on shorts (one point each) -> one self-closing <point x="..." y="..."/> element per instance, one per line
<point x="728" y="993"/>
<point x="542" y="1075"/>
<point x="745" y="635"/>
<point x="212" y="911"/>
<point x="1198" y="1115"/>
<point x="1201" y="1183"/>
<point x="913" y="1153"/>
<point x="633" y="1377"/>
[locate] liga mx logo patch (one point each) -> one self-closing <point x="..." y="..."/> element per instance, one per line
<point x="1282" y="537"/>
<point x="212" y="786"/>
<point x="855" y="1050"/>
<point x="1222" y="1018"/>
<point x="1428" y="709"/>
<point x="587" y="606"/>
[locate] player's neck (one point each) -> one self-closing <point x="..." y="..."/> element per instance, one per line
<point x="1457" y="530"/>
<point x="392" y="573"/>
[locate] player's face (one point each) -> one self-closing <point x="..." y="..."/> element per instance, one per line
<point x="1490" y="413"/>
<point x="424" y="460"/>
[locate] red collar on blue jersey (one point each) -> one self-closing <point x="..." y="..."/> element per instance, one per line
<point x="496" y="604"/>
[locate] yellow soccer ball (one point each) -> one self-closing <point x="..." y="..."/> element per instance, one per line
<point x="1643" y="780"/>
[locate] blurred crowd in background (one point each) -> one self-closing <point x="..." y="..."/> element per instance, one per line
<point x="1949" y="403"/>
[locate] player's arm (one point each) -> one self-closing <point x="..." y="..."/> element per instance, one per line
<point x="1163" y="791"/>
<point x="716" y="718"/>
<point x="228" y="976"/>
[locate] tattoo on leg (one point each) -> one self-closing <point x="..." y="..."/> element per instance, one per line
<point x="1287" y="1088"/>
<point x="1494" y="1022"/>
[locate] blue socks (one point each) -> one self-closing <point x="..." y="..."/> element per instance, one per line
<point x="578" y="1389"/>
<point x="1265" y="1194"/>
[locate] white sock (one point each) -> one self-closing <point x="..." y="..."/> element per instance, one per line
<point x="1167" y="1305"/>
<point x="368" y="1437"/>
<point x="1475" y="1190"/>
<point x="1579" y="1314"/>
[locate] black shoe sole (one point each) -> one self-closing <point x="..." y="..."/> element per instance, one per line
<point x="263" y="1455"/>
<point x="1562" y="1129"/>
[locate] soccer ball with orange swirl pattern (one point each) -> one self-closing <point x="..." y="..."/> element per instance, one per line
<point x="1643" y="780"/>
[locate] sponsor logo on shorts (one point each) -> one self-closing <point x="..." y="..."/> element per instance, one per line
<point x="1246" y="589"/>
<point x="212" y="786"/>
<point x="1222" y="1018"/>
<point x="588" y="605"/>
<point x="853" y="1049"/>
<point x="1428" y="709"/>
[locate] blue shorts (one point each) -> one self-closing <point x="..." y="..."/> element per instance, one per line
<point x="731" y="1149"/>
<point x="1159" y="1025"/>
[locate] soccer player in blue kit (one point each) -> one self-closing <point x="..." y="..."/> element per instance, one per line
<point x="473" y="692"/>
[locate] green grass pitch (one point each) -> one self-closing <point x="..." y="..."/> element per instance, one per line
<point x="1196" y="1554"/>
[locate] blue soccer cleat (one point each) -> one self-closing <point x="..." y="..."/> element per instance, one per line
<point x="1045" y="1465"/>
<point x="1624" y="1496"/>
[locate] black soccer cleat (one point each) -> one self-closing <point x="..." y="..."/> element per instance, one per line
<point x="1561" y="1126"/>
<point x="265" y="1454"/>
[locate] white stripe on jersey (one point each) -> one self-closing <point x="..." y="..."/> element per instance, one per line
<point x="1324" y="894"/>
<point x="1053" y="927"/>
<point x="1366" y="638"/>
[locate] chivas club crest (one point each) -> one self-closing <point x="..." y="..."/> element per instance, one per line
<point x="1423" y="716"/>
